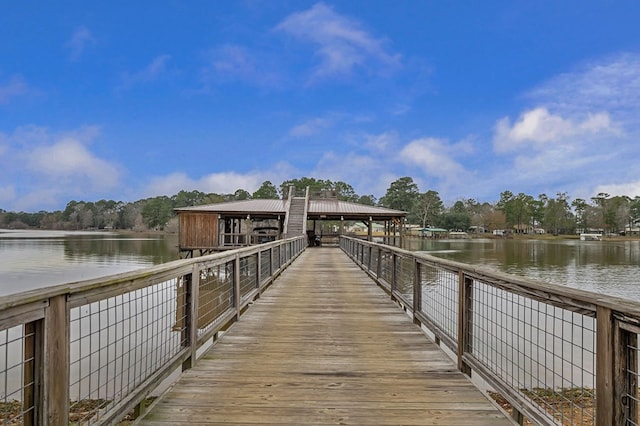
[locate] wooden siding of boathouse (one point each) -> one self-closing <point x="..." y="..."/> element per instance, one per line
<point x="198" y="231"/>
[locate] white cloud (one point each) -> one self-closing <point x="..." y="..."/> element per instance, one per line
<point x="434" y="157"/>
<point x="154" y="70"/>
<point x="607" y="84"/>
<point x="400" y="109"/>
<point x="538" y="128"/>
<point x="229" y="182"/>
<point x="14" y="87"/>
<point x="226" y="182"/>
<point x="369" y="163"/>
<point x="230" y="63"/>
<point x="170" y="184"/>
<point x="579" y="135"/>
<point x="366" y="173"/>
<point x="79" y="42"/>
<point x="233" y="60"/>
<point x="341" y="43"/>
<point x="41" y="198"/>
<point x="42" y="169"/>
<point x="310" y="127"/>
<point x="631" y="189"/>
<point x="378" y="160"/>
<point x="68" y="157"/>
<point x="382" y="142"/>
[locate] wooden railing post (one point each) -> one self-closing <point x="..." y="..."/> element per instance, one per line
<point x="191" y="287"/>
<point x="465" y="320"/>
<point x="56" y="361"/>
<point x="394" y="272"/>
<point x="417" y="291"/>
<point x="605" y="371"/>
<point x="259" y="271"/>
<point x="625" y="380"/>
<point x="271" y="260"/>
<point x="236" y="285"/>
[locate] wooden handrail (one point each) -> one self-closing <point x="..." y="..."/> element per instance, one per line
<point x="55" y="322"/>
<point x="613" y="322"/>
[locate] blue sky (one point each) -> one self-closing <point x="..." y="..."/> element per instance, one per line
<point x="127" y="100"/>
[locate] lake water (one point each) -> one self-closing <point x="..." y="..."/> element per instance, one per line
<point x="34" y="259"/>
<point x="607" y="267"/>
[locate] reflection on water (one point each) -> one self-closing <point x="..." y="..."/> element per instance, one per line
<point x="608" y="267"/>
<point x="33" y="259"/>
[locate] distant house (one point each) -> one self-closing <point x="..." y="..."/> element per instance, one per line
<point x="633" y="228"/>
<point x="433" y="232"/>
<point x="522" y="229"/>
<point x="477" y="229"/>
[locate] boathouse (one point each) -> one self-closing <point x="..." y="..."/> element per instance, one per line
<point x="322" y="217"/>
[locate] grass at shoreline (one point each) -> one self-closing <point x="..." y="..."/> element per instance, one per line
<point x="80" y="411"/>
<point x="568" y="406"/>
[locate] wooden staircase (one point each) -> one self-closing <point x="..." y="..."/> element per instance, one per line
<point x="296" y="217"/>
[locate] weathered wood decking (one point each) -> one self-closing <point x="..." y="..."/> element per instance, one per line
<point x="324" y="345"/>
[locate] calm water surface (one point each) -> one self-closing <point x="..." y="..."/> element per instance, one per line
<point x="608" y="267"/>
<point x="33" y="259"/>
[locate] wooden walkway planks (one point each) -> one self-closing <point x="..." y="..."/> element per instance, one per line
<point x="324" y="345"/>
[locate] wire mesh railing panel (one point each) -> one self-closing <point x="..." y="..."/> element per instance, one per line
<point x="276" y="258"/>
<point x="215" y="295"/>
<point x="16" y="360"/>
<point x="119" y="342"/>
<point x="631" y="398"/>
<point x="543" y="352"/>
<point x="365" y="257"/>
<point x="534" y="343"/>
<point x="405" y="277"/>
<point x="248" y="275"/>
<point x="440" y="298"/>
<point x="265" y="266"/>
<point x="373" y="262"/>
<point x="386" y="267"/>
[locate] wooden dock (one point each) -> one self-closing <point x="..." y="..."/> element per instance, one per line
<point x="324" y="346"/>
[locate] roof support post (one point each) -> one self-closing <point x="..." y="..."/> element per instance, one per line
<point x="248" y="230"/>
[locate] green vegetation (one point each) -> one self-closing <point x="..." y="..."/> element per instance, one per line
<point x="518" y="213"/>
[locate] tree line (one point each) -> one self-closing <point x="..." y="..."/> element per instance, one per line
<point x="516" y="212"/>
